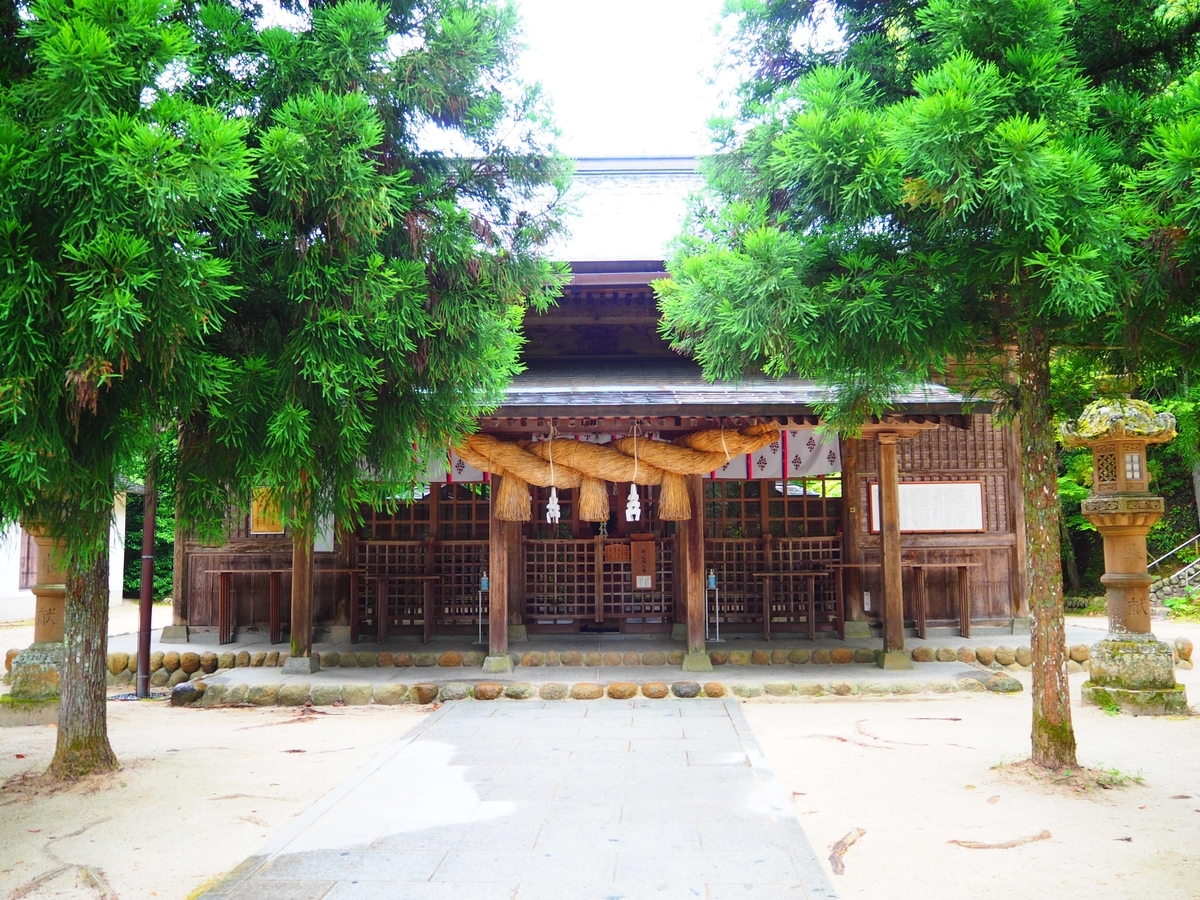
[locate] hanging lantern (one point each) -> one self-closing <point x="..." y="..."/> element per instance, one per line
<point x="633" y="505"/>
<point x="552" y="511"/>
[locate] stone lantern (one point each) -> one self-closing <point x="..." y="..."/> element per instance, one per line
<point x="1130" y="668"/>
<point x="36" y="669"/>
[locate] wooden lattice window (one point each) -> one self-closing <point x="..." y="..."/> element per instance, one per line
<point x="560" y="580"/>
<point x="409" y="521"/>
<point x="444" y="511"/>
<point x="621" y="601"/>
<point x="804" y="507"/>
<point x="462" y="511"/>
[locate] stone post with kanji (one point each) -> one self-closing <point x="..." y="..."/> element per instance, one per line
<point x="37" y="669"/>
<point x="1130" y="669"/>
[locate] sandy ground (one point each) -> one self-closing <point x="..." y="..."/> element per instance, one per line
<point x="199" y="790"/>
<point x="918" y="773"/>
<point x="202" y="789"/>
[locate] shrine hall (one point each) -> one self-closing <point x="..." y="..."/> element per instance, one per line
<point x="642" y="499"/>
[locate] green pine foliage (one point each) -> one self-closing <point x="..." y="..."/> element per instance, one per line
<point x="966" y="180"/>
<point x="112" y="188"/>
<point x="383" y="283"/>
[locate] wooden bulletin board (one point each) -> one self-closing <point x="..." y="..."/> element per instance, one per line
<point x="933" y="506"/>
<point x="265" y="515"/>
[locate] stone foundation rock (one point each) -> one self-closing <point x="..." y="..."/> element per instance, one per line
<point x="424" y="692"/>
<point x="622" y="690"/>
<point x="654" y="658"/>
<point x="1151" y="702"/>
<point x="1132" y="662"/>
<point x="487" y="690"/>
<point x="294" y="694"/>
<point x="1004" y="684"/>
<point x="357" y="694"/>
<point x="391" y="694"/>
<point x="522" y="690"/>
<point x="714" y="689"/>
<point x="554" y="691"/>
<point x="587" y="691"/>
<point x="325" y="694"/>
<point x="450" y="659"/>
<point x="655" y="690"/>
<point x="686" y="690"/>
<point x="37" y="672"/>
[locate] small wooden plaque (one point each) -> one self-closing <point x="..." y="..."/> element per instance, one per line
<point x="616" y="553"/>
<point x="642" y="564"/>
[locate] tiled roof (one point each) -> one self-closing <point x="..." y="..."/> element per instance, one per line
<point x="630" y="387"/>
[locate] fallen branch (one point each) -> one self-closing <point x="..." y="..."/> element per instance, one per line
<point x="1004" y="845"/>
<point x="838" y="737"/>
<point x="840" y="848"/>
<point x="30" y="886"/>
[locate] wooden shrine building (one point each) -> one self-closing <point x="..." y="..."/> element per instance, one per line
<point x="916" y="523"/>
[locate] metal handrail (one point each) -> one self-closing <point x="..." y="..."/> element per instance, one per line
<point x="1192" y="540"/>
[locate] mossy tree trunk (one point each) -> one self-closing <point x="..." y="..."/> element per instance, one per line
<point x="1053" y="737"/>
<point x="83" y="746"/>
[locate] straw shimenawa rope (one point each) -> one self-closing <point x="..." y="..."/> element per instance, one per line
<point x="587" y="466"/>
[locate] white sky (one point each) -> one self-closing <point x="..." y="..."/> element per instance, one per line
<point x="626" y="77"/>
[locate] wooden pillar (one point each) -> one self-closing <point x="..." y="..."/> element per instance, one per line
<point x="851" y="519"/>
<point x="499" y="535"/>
<point x="889" y="520"/>
<point x="302" y="573"/>
<point x="516" y="574"/>
<point x="693" y="579"/>
<point x="179" y="573"/>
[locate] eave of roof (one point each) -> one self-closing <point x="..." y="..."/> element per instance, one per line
<point x="626" y="387"/>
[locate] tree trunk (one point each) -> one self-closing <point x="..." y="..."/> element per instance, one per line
<point x="83" y="746"/>
<point x="1196" y="486"/>
<point x="1053" y="737"/>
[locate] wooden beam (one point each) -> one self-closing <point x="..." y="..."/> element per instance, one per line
<point x="302" y="575"/>
<point x="889" y="502"/>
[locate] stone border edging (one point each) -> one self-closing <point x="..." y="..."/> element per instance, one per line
<point x="299" y="694"/>
<point x="166" y="666"/>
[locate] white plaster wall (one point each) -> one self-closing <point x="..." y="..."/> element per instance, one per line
<point x="116" y="550"/>
<point x="17" y="605"/>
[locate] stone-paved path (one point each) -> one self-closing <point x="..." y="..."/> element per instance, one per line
<point x="608" y="799"/>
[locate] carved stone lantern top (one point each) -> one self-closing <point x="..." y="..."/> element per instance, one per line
<point x="1117" y="432"/>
